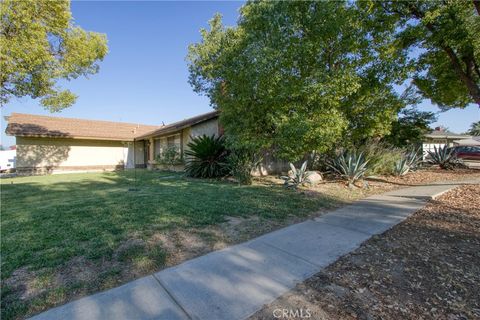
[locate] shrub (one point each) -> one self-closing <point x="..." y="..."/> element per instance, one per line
<point x="296" y="176"/>
<point x="382" y="158"/>
<point x="241" y="164"/>
<point x="206" y="157"/>
<point x="444" y="157"/>
<point x="170" y="156"/>
<point x="350" y="166"/>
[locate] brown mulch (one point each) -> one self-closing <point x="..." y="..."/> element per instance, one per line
<point x="431" y="175"/>
<point x="427" y="267"/>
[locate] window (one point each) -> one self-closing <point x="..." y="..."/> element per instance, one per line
<point x="161" y="144"/>
<point x="157" y="147"/>
<point x="171" y="141"/>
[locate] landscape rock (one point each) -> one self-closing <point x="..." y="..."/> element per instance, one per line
<point x="314" y="177"/>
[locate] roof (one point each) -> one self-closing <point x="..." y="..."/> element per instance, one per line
<point x="467" y="142"/>
<point x="29" y="125"/>
<point x="176" y="126"/>
<point x="446" y="134"/>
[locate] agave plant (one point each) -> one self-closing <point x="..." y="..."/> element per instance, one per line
<point x="206" y="157"/>
<point x="444" y="157"/>
<point x="296" y="177"/>
<point x="401" y="167"/>
<point x="409" y="161"/>
<point x="414" y="158"/>
<point x="350" y="166"/>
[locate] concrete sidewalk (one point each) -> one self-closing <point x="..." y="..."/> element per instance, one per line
<point x="235" y="282"/>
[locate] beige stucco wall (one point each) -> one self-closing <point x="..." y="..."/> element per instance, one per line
<point x="208" y="128"/>
<point x="51" y="152"/>
<point x="186" y="137"/>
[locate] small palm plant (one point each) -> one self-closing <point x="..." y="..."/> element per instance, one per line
<point x="206" y="157"/>
<point x="350" y="166"/>
<point x="296" y="177"/>
<point x="444" y="157"/>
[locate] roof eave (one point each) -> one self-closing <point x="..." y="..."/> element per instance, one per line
<point x="162" y="133"/>
<point x="447" y="136"/>
<point x="70" y="137"/>
<point x="172" y="129"/>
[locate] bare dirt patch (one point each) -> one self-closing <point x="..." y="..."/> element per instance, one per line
<point x="238" y="230"/>
<point x="428" y="267"/>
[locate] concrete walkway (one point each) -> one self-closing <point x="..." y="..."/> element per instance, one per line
<point x="235" y="282"/>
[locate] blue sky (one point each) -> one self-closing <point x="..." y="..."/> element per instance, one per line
<point x="144" y="78"/>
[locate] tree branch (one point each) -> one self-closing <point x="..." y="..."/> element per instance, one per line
<point x="472" y="86"/>
<point x="477" y="68"/>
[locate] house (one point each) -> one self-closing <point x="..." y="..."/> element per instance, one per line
<point x="439" y="138"/>
<point x="54" y="144"/>
<point x="178" y="135"/>
<point x="474" y="141"/>
<point x="48" y="144"/>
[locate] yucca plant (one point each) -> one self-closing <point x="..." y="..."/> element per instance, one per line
<point x="296" y="177"/>
<point x="350" y="166"/>
<point x="206" y="157"/>
<point x="444" y="157"/>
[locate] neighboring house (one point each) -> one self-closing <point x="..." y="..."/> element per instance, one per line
<point x="439" y="138"/>
<point x="7" y="159"/>
<point x="474" y="141"/>
<point x="53" y="144"/>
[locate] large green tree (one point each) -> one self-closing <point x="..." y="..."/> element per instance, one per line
<point x="443" y="42"/>
<point x="410" y="127"/>
<point x="40" y="45"/>
<point x="296" y="77"/>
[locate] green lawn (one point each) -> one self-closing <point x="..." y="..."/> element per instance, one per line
<point x="50" y="223"/>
